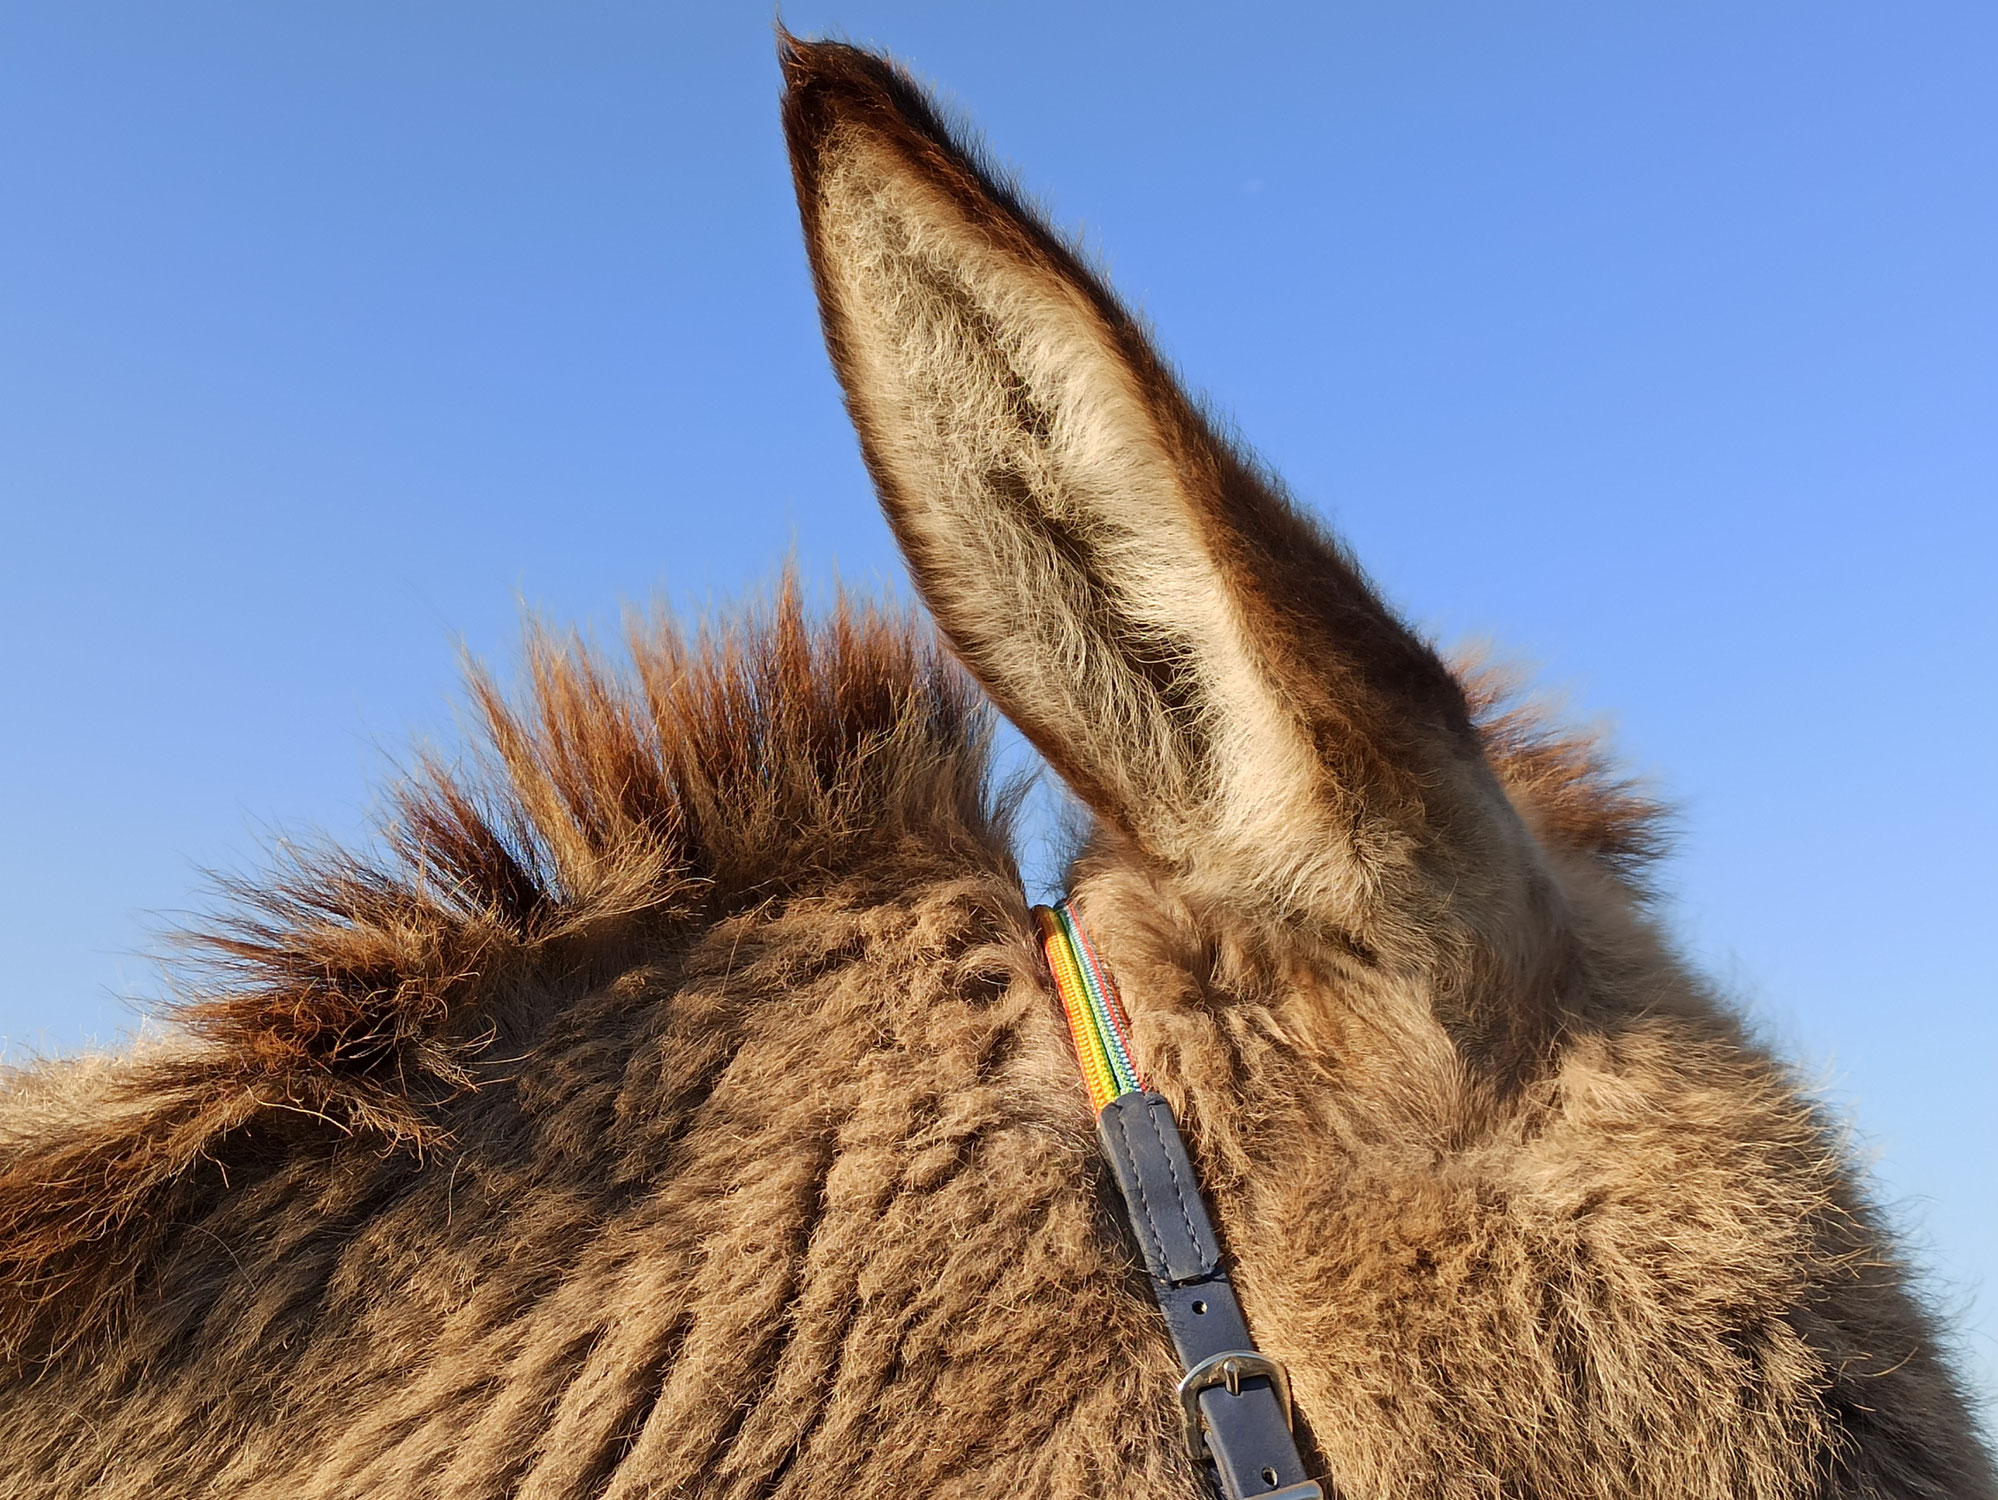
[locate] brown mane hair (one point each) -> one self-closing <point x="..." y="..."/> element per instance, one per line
<point x="602" y="813"/>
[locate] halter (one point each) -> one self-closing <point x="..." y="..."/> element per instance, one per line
<point x="1235" y="1401"/>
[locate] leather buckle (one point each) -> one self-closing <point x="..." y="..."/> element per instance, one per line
<point x="1227" y="1369"/>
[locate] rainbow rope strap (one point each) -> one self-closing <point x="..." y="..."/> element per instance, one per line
<point x="1097" y="1024"/>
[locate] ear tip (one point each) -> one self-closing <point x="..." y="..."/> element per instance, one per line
<point x="829" y="84"/>
<point x="821" y="65"/>
<point x="794" y="55"/>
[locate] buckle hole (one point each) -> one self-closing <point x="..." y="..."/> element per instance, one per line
<point x="1269" y="1476"/>
<point x="1200" y="1307"/>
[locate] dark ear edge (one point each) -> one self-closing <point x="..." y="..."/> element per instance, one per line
<point x="830" y="85"/>
<point x="1201" y="663"/>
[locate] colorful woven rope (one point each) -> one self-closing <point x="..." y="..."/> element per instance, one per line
<point x="1097" y="1024"/>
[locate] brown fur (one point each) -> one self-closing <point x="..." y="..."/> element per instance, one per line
<point x="675" y="1105"/>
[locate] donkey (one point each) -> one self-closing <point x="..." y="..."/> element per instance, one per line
<point x="675" y="1102"/>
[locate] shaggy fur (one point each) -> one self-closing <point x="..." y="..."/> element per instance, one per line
<point x="675" y="1104"/>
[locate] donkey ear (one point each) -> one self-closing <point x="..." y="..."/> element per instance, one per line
<point x="1200" y="664"/>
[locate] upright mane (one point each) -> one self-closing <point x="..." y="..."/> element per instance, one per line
<point x="603" y="812"/>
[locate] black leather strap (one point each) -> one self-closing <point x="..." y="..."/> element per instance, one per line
<point x="1246" y="1432"/>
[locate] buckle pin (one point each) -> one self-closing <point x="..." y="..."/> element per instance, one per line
<point x="1227" y="1369"/>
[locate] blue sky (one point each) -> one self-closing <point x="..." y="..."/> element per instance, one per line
<point x="1656" y="345"/>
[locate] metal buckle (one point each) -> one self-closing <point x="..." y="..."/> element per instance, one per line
<point x="1227" y="1368"/>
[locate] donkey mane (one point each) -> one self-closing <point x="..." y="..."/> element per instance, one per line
<point x="612" y="807"/>
<point x="606" y="813"/>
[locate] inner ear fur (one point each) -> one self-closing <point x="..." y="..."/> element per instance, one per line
<point x="1204" y="667"/>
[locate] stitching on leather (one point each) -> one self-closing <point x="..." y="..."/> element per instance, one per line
<point x="1130" y="1164"/>
<point x="1178" y="1188"/>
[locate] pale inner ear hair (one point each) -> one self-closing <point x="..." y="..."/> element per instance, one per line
<point x="1045" y="512"/>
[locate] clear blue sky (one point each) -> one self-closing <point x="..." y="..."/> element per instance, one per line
<point x="1657" y="344"/>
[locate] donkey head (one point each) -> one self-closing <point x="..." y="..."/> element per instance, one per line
<point x="1262" y="742"/>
